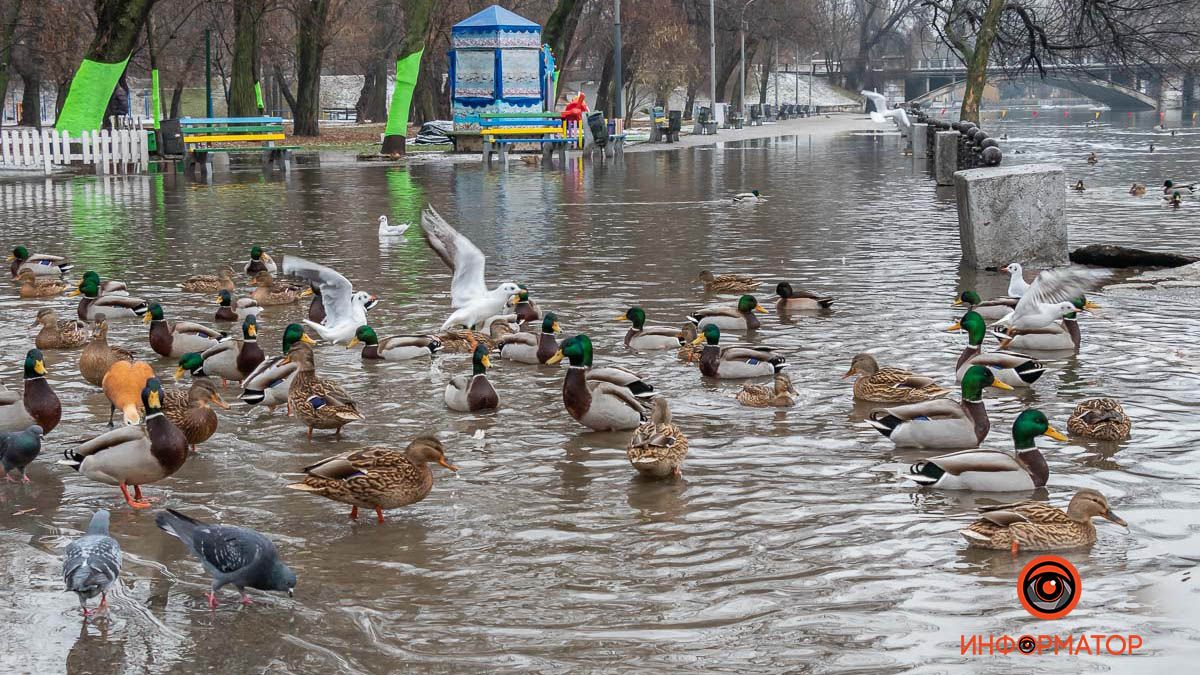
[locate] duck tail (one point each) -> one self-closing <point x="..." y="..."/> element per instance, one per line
<point x="779" y="363"/>
<point x="252" y="396"/>
<point x="435" y="345"/>
<point x="141" y="309"/>
<point x="65" y="267"/>
<point x="883" y="422"/>
<point x="71" y="459"/>
<point x="825" y="303"/>
<point x="1030" y="371"/>
<point x="694" y="319"/>
<point x="925" y="473"/>
<point x="641" y="389"/>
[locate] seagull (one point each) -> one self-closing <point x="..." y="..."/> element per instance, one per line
<point x="1049" y="297"/>
<point x="345" y="308"/>
<point x="386" y="230"/>
<point x="881" y="113"/>
<point x="1017" y="285"/>
<point x="469" y="295"/>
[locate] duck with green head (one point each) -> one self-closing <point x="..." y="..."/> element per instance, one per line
<point x="529" y="348"/>
<point x="228" y="310"/>
<point x="395" y="348"/>
<point x="179" y="339"/>
<point x="736" y="362"/>
<point x="232" y="359"/>
<point x="110" y="287"/>
<point x="114" y="306"/>
<point x="739" y="317"/>
<point x="993" y="470"/>
<point x="39" y="263"/>
<point x="751" y="196"/>
<point x="37" y="404"/>
<point x="1059" y="335"/>
<point x="991" y="310"/>
<point x="260" y="262"/>
<point x="269" y="383"/>
<point x="1015" y="370"/>
<point x="792" y="299"/>
<point x="648" y="338"/>
<point x="474" y="393"/>
<point x="941" y="424"/>
<point x="602" y="399"/>
<point x="525" y="308"/>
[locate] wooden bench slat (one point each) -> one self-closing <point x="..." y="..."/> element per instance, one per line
<point x="233" y="137"/>
<point x="533" y="140"/>
<point x="275" y="128"/>
<point x="261" y="148"/>
<point x="526" y="130"/>
<point x="230" y="120"/>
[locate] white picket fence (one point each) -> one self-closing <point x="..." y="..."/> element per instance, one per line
<point x="117" y="151"/>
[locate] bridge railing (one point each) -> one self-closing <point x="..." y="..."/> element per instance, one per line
<point x="954" y="65"/>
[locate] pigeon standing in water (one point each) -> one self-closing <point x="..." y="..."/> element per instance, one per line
<point x="18" y="449"/>
<point x="232" y="555"/>
<point x="93" y="563"/>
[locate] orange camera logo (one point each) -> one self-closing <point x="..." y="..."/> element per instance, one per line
<point x="1049" y="587"/>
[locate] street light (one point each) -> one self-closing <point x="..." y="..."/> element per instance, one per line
<point x="618" y="113"/>
<point x="812" y="72"/>
<point x="742" y="63"/>
<point x="712" y="57"/>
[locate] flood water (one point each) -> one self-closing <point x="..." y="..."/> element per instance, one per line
<point x="789" y="545"/>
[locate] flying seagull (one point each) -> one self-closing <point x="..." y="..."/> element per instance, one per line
<point x="469" y="295"/>
<point x="345" y="308"/>
<point x="881" y="113"/>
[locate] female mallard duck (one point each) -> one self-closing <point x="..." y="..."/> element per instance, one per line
<point x="751" y="196"/>
<point x="210" y="283"/>
<point x="319" y="403"/>
<point x="991" y="310"/>
<point x="316" y="308"/>
<point x="267" y="294"/>
<point x="603" y="399"/>
<point x="175" y="341"/>
<point x="110" y="287"/>
<point x="1011" y="368"/>
<point x="260" y="262"/>
<point x="56" y="334"/>
<point x="1138" y="190"/>
<point x="790" y="299"/>
<point x="123" y="385"/>
<point x="993" y="470"/>
<point x="111" y="306"/>
<point x="530" y="348"/>
<point x="98" y="356"/>
<point x="499" y="325"/>
<point x="657" y="447"/>
<point x="271" y="381"/>
<point x="229" y="311"/>
<point x="40" y="264"/>
<point x="33" y="286"/>
<point x="464" y="341"/>
<point x="1092" y="158"/>
<point x="37" y="404"/>
<point x="890" y="385"/>
<point x="376" y="477"/>
<point x="740" y="317"/>
<point x="231" y="359"/>
<point x="1037" y="526"/>
<point x="941" y="423"/>
<point x="475" y="393"/>
<point x="736" y="362"/>
<point x="647" y="338"/>
<point x="689" y="351"/>
<point x="728" y="283"/>
<point x="525" y="308"/>
<point x="1101" y="418"/>
<point x="775" y="395"/>
<point x="134" y="455"/>
<point x="191" y="410"/>
<point x="395" y="348"/>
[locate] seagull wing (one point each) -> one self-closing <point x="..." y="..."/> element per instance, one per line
<point x="880" y="102"/>
<point x="1055" y="286"/>
<point x="335" y="289"/>
<point x="459" y="254"/>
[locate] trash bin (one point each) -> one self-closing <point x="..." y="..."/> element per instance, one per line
<point x="170" y="137"/>
<point x="599" y="128"/>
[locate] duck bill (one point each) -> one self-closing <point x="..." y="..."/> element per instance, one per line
<point x="147" y="317"/>
<point x="219" y="402"/>
<point x="621" y="317"/>
<point x="848" y="373"/>
<point x="760" y="309"/>
<point x="1109" y="515"/>
<point x="958" y="302"/>
<point x="353" y="341"/>
<point x="1052" y="433"/>
<point x="698" y="340"/>
<point x="252" y="331"/>
<point x="10" y="258"/>
<point x="39" y="367"/>
<point x="74" y="293"/>
<point x="554" y="328"/>
<point x="558" y="356"/>
<point x="306" y="339"/>
<point x="1000" y="385"/>
<point x="306" y="292"/>
<point x="1090" y="306"/>
<point x="486" y="361"/>
<point x="514" y="300"/>
<point x="448" y="465"/>
<point x="956" y="327"/>
<point x="179" y="373"/>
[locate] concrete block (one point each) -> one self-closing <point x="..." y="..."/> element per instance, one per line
<point x="918" y="139"/>
<point x="1012" y="214"/>
<point x="945" y="157"/>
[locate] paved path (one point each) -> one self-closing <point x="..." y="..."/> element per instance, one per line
<point x="820" y="125"/>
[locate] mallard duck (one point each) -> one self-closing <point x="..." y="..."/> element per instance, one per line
<point x="890" y="385"/>
<point x="1015" y="370"/>
<point x="110" y="287"/>
<point x="228" y="311"/>
<point x="266" y="294"/>
<point x="395" y="348"/>
<point x="992" y="310"/>
<point x="604" y="399"/>
<point x="1092" y="159"/>
<point x="1078" y="187"/>
<point x="647" y="338"/>
<point x="728" y="283"/>
<point x="318" y="402"/>
<point x="111" y="306"/>
<point x="376" y="477"/>
<point x="33" y="286"/>
<point x="475" y="393"/>
<point x="525" y="308"/>
<point x="133" y="455"/>
<point x="175" y="341"/>
<point x="40" y="264"/>
<point x="123" y="385"/>
<point x="190" y="410"/>
<point x="1170" y="186"/>
<point x="657" y="447"/>
<point x="993" y="470"/>
<point x="316" y="308"/>
<point x="740" y="317"/>
<point x="232" y="359"/>
<point x="1176" y="199"/>
<point x="1100" y="418"/>
<point x="689" y="351"/>
<point x="941" y="423"/>
<point x="209" y="283"/>
<point x="790" y="299"/>
<point x="1037" y="526"/>
<point x="36" y="404"/>
<point x="736" y="362"/>
<point x="500" y="325"/>
<point x="260" y="262"/>
<point x="1044" y="303"/>
<point x="1053" y="336"/>
<point x="191" y="363"/>
<point x="272" y="379"/>
<point x="778" y="394"/>
<point x="530" y="348"/>
<point x="464" y="341"/>
<point x="98" y="356"/>
<point x="751" y="196"/>
<point x="1138" y="190"/>
<point x="56" y="334"/>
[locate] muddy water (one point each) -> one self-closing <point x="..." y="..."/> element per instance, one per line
<point x="790" y="544"/>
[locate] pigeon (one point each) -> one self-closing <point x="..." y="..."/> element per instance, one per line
<point x="92" y="563"/>
<point x="232" y="555"/>
<point x="18" y="449"/>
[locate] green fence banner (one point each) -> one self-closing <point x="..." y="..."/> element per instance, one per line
<point x="258" y="96"/>
<point x="155" y="110"/>
<point x="87" y="99"/>
<point x="407" y="70"/>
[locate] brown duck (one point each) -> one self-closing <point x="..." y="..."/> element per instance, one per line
<point x="319" y="403"/>
<point x="33" y="286"/>
<point x="59" y="334"/>
<point x="191" y="411"/>
<point x="657" y="447"/>
<point x="98" y="356"/>
<point x="1037" y="526"/>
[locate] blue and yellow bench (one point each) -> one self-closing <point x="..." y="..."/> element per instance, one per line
<point x="204" y="137"/>
<point x="500" y="130"/>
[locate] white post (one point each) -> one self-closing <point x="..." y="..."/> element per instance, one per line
<point x="47" y="151"/>
<point x="86" y="143"/>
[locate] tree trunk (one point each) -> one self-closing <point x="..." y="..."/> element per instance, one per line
<point x="243" y="102"/>
<point x="118" y="25"/>
<point x="604" y="87"/>
<point x="690" y="100"/>
<point x="284" y="89"/>
<point x="31" y="101"/>
<point x="60" y="95"/>
<point x="416" y="21"/>
<point x="176" y="100"/>
<point x="764" y="77"/>
<point x="977" y="61"/>
<point x="371" y="105"/>
<point x="8" y="26"/>
<point x="310" y="51"/>
<point x="560" y="30"/>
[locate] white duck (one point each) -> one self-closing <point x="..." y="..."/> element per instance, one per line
<point x="386" y="230"/>
<point x="345" y="308"/>
<point x="469" y="295"/>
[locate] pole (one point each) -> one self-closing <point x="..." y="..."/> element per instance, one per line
<point x="812" y="71"/>
<point x="712" y="56"/>
<point x="775" y="75"/>
<point x="742" y="65"/>
<point x="208" y="71"/>
<point x="618" y="109"/>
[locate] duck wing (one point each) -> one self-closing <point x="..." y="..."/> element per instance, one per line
<point x="940" y="409"/>
<point x="461" y="255"/>
<point x="1057" y="286"/>
<point x="1028" y="511"/>
<point x="335" y="289"/>
<point x="621" y="393"/>
<point x="127" y="434"/>
<point x="196" y="329"/>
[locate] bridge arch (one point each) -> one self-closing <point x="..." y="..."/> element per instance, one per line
<point x="1115" y="96"/>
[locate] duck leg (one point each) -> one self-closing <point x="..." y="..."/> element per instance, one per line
<point x="353" y="513"/>
<point x="1015" y="546"/>
<point x="310" y="433"/>
<point x="379" y="515"/>
<point x="129" y="500"/>
<point x="112" y="410"/>
<point x="103" y="602"/>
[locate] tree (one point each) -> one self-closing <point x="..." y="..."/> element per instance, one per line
<point x="118" y="25"/>
<point x="417" y="14"/>
<point x="877" y="20"/>
<point x="243" y="100"/>
<point x="372" y="101"/>
<point x="9" y="11"/>
<point x="560" y="28"/>
<point x="312" y="37"/>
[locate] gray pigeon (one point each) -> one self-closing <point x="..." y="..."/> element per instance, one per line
<point x="232" y="555"/>
<point x="18" y="449"/>
<point x="93" y="563"/>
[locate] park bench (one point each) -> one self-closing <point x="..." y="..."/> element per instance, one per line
<point x="705" y="123"/>
<point x="665" y="125"/>
<point x="203" y="137"/>
<point x="769" y="112"/>
<point x="756" y="115"/>
<point x="500" y="130"/>
<point x="733" y="119"/>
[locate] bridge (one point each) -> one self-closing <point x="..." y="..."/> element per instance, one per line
<point x="1101" y="82"/>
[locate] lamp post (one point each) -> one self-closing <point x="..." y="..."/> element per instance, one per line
<point x="712" y="56"/>
<point x="742" y="62"/>
<point x="618" y="112"/>
<point x="812" y="72"/>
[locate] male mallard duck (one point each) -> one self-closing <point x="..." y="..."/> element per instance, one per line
<point x="890" y="385"/>
<point x="647" y="338"/>
<point x="109" y="287"/>
<point x="271" y="381"/>
<point x="941" y="423"/>
<point x="133" y="455"/>
<point x="1029" y="329"/>
<point x="395" y="348"/>
<point x="778" y="394"/>
<point x="190" y="410"/>
<point x="183" y="337"/>
<point x="33" y="286"/>
<point x="992" y="310"/>
<point x="735" y="362"/>
<point x="751" y="196"/>
<point x="266" y="294"/>
<point x="1138" y="190"/>
<point x="689" y="351"/>
<point x="56" y="334"/>
<point x="530" y="348"/>
<point x="728" y="283"/>
<point x="525" y="308"/>
<point x="1169" y="186"/>
<point x="37" y="404"/>
<point x="1011" y="368"/>
<point x="657" y="447"/>
<point x="319" y="403"/>
<point x="98" y="356"/>
<point x="1176" y="199"/>
<point x="1078" y="187"/>
<point x="1092" y="158"/>
<point x="210" y="283"/>
<point x="993" y="470"/>
<point x="260" y="262"/>
<point x="40" y="264"/>
<point x="1101" y="418"/>
<point x="123" y="385"/>
<point x="604" y="399"/>
<point x="228" y="311"/>
<point x="464" y="341"/>
<point x="1037" y="526"/>
<point x="376" y="477"/>
<point x="111" y="306"/>
<point x="475" y="393"/>
<point x="740" y="317"/>
<point x="790" y="299"/>
<point x="231" y="359"/>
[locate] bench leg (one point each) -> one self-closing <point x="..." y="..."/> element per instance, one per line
<point x="487" y="154"/>
<point x="504" y="155"/>
<point x="562" y="155"/>
<point x="547" y="153"/>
